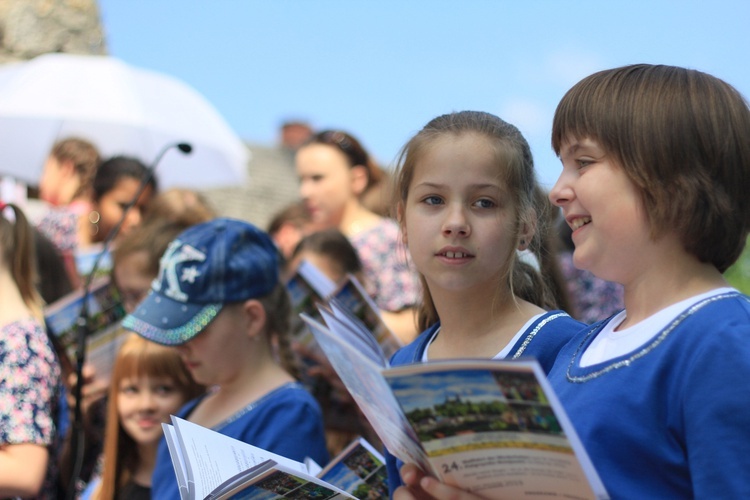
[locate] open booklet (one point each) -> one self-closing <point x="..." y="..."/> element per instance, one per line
<point x="105" y="311"/>
<point x="87" y="258"/>
<point x="214" y="466"/>
<point x="309" y="287"/>
<point x="493" y="427"/>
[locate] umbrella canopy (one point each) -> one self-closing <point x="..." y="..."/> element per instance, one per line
<point x="119" y="108"/>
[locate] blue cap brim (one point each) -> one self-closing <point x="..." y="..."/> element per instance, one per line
<point x="167" y="321"/>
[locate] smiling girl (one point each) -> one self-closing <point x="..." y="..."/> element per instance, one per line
<point x="656" y="171"/>
<point x="149" y="383"/>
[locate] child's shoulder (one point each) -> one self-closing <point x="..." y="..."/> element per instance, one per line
<point x="545" y="336"/>
<point x="23" y="326"/>
<point x="555" y="324"/>
<point x="289" y="398"/>
<point x="414" y="351"/>
<point x="730" y="300"/>
<point x="287" y="412"/>
<point x="727" y="312"/>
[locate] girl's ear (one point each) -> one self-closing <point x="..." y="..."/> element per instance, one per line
<point x="526" y="234"/>
<point x="360" y="178"/>
<point x="256" y="318"/>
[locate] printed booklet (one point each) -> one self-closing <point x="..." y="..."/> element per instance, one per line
<point x="210" y="465"/>
<point x="105" y="311"/>
<point x="307" y="288"/>
<point x="310" y="287"/>
<point x="86" y="258"/>
<point x="493" y="427"/>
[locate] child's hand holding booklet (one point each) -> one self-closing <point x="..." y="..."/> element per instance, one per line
<point x="211" y="465"/>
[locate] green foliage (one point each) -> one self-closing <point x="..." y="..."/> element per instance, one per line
<point x="739" y="274"/>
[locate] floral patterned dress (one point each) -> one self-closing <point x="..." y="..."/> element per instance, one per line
<point x="60" y="225"/>
<point x="593" y="299"/>
<point x="392" y="279"/>
<point x="29" y="391"/>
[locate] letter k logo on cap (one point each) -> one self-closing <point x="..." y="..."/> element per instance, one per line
<point x="177" y="254"/>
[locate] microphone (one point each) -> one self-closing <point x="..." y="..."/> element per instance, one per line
<point x="83" y="330"/>
<point x="184" y="147"/>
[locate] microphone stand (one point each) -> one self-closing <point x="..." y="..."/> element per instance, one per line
<point x="82" y="323"/>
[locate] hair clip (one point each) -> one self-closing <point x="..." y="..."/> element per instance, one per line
<point x="336" y="138"/>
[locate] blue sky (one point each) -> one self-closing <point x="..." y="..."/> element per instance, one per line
<point x="382" y="69"/>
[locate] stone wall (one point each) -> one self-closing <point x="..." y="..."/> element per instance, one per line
<point x="29" y="28"/>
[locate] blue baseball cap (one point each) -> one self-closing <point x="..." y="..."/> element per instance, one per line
<point x="206" y="266"/>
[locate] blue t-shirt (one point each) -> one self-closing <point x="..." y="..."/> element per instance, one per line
<point x="671" y="419"/>
<point x="542" y="340"/>
<point x="287" y="421"/>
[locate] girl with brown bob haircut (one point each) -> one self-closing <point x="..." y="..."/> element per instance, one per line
<point x="681" y="137"/>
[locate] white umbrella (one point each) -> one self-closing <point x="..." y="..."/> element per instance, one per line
<point x="122" y="110"/>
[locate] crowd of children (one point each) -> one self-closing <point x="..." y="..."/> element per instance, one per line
<point x="655" y="170"/>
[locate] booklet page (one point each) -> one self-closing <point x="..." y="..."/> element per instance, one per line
<point x="212" y="458"/>
<point x="365" y="382"/>
<point x="490" y="427"/>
